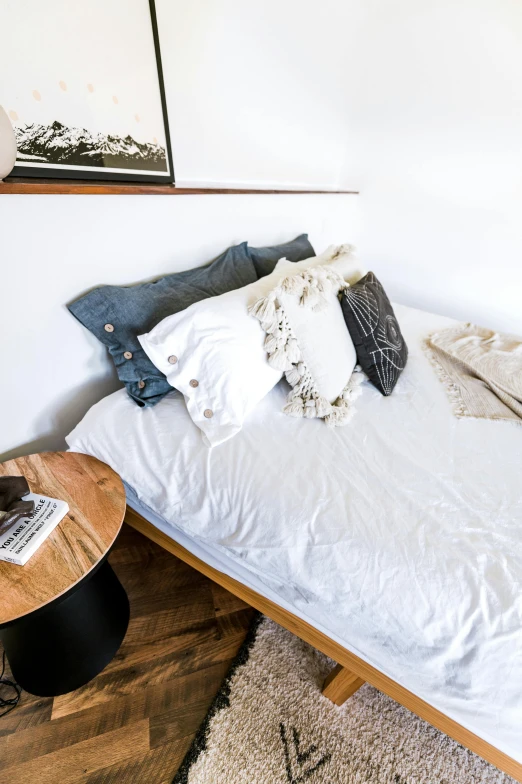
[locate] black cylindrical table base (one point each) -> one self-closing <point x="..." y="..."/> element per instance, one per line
<point x="66" y="643"/>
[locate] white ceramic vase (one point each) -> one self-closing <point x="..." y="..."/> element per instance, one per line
<point x="7" y="145"/>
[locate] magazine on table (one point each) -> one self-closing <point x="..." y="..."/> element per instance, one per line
<point x="23" y="539"/>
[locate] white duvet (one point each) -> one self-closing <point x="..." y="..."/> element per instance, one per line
<point x="401" y="533"/>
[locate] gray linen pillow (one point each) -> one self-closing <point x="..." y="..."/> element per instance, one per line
<point x="116" y="315"/>
<point x="265" y="259"/>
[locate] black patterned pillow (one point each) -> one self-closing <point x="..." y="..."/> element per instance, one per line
<point x="381" y="350"/>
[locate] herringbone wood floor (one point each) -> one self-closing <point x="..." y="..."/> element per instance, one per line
<point x="134" y="722"/>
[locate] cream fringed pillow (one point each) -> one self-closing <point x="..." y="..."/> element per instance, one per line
<point x="307" y="338"/>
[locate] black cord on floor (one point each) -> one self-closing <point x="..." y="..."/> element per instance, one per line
<point x="12" y="702"/>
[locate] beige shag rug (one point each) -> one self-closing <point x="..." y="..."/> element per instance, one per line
<point x="269" y="724"/>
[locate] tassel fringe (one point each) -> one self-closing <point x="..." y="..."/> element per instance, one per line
<point x="292" y="351"/>
<point x="279" y="360"/>
<point x="460" y="409"/>
<point x="311" y="287"/>
<point x="294" y="408"/>
<point x="270" y="344"/>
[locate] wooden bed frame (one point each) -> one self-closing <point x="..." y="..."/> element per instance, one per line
<point x="351" y="671"/>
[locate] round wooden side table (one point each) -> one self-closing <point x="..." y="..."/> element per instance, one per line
<point x="64" y="614"/>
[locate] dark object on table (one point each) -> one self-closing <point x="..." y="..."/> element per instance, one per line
<point x="12" y="507"/>
<point x="381" y="350"/>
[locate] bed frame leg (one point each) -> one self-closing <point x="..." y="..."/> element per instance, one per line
<point x="341" y="684"/>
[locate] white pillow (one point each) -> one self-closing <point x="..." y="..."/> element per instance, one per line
<point x="213" y="353"/>
<point x="307" y="338"/>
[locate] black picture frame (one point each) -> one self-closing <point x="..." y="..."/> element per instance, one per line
<point x="98" y="173"/>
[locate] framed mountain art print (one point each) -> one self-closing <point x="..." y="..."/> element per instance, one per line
<point x="83" y="88"/>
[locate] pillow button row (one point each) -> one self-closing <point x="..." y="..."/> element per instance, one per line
<point x="207" y="413"/>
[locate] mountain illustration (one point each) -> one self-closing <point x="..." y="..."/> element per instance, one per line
<point x="60" y="144"/>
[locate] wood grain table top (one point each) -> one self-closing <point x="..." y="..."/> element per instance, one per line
<point x="96" y="499"/>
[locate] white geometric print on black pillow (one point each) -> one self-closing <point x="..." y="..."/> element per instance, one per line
<point x="380" y="346"/>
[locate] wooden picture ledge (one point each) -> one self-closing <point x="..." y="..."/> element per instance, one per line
<point x="85" y="187"/>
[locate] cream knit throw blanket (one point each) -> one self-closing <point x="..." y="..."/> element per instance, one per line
<point x="481" y="370"/>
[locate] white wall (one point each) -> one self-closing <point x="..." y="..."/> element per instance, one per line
<point x="418" y="104"/>
<point x="256" y="90"/>
<point x="435" y="96"/>
<point x="54" y="248"/>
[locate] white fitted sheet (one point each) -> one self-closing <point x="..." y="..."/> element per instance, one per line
<point x="399" y="535"/>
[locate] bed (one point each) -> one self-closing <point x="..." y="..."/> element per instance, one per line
<point x="392" y="544"/>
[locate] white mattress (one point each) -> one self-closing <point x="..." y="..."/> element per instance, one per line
<point x="399" y="535"/>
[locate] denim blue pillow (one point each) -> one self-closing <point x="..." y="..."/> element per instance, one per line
<point x="118" y="314"/>
<point x="265" y="259"/>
